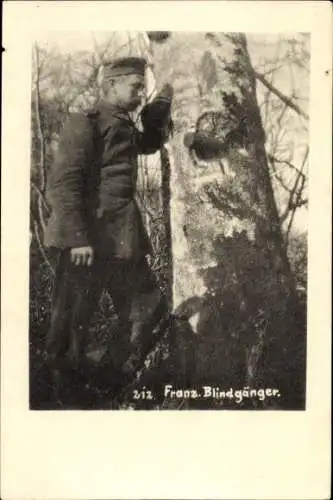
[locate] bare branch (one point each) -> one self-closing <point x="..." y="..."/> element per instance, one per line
<point x="41" y="247"/>
<point x="279" y="178"/>
<point x="295" y="193"/>
<point x="262" y="78"/>
<point x="274" y="159"/>
<point x="277" y="138"/>
<point x="286" y="100"/>
<point x="298" y="202"/>
<point x="293" y="207"/>
<point x="271" y="71"/>
<point x="102" y="52"/>
<point x="40" y="194"/>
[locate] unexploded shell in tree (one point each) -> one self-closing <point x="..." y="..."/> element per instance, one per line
<point x="158" y="36"/>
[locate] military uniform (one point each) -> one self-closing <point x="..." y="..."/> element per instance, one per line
<point x="91" y="190"/>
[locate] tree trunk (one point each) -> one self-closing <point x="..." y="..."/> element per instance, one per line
<point x="166" y="204"/>
<point x="232" y="278"/>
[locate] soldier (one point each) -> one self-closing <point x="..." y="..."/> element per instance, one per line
<point x="95" y="223"/>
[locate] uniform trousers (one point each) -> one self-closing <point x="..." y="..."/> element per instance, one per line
<point x="135" y="294"/>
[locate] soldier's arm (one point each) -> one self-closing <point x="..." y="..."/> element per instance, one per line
<point x="156" y="121"/>
<point x="122" y="133"/>
<point x="67" y="177"/>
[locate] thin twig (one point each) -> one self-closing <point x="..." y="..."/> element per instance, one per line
<point x="274" y="159"/>
<point x="275" y="139"/>
<point x="41" y="247"/>
<point x="298" y="202"/>
<point x="300" y="177"/>
<point x="279" y="178"/>
<point x="286" y="100"/>
<point x="41" y="195"/>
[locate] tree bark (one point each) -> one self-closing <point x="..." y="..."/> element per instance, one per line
<point x="166" y="204"/>
<point x="233" y="282"/>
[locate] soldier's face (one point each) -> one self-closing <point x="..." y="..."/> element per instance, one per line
<point x="128" y="91"/>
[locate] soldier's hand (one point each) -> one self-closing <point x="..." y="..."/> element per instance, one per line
<point x="82" y="256"/>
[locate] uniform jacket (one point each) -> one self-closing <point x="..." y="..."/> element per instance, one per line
<point x="92" y="182"/>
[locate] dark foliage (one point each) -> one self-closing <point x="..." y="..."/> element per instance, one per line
<point x="244" y="303"/>
<point x="235" y="306"/>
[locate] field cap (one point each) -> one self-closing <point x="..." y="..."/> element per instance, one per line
<point x="125" y="66"/>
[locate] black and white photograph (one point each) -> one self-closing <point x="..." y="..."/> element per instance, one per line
<point x="166" y="237"/>
<point x="168" y="220"/>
